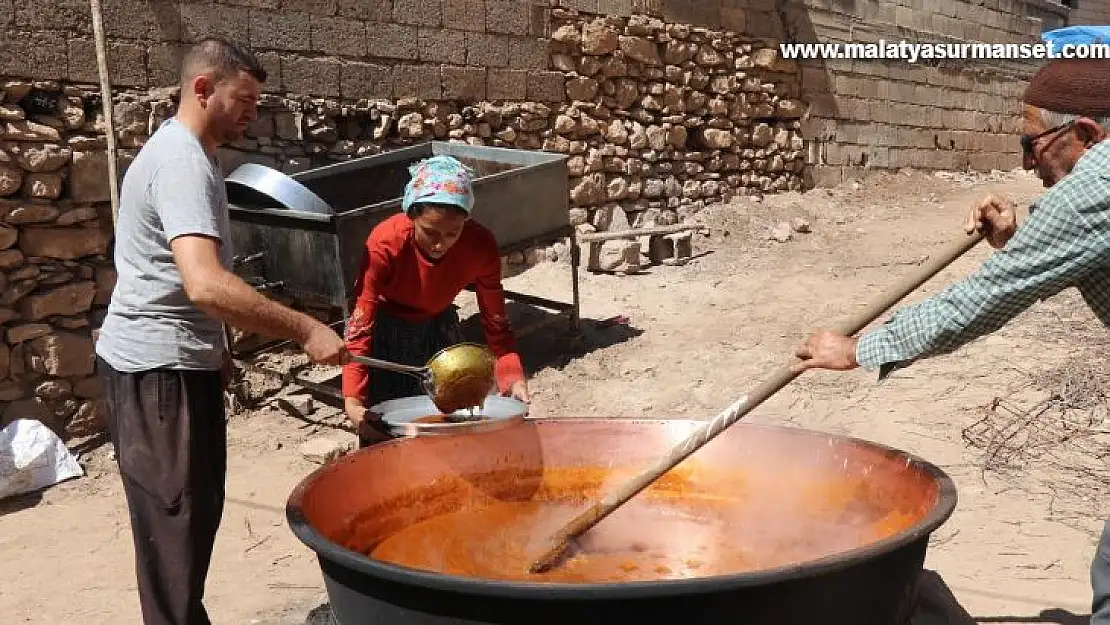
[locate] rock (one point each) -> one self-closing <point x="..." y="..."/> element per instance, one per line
<point x="72" y="323"/>
<point x="569" y="36"/>
<point x="716" y="139"/>
<point x="576" y="166"/>
<point x="657" y="137"/>
<point x="89" y="419"/>
<point x="88" y="177"/>
<point x="323" y="450"/>
<point x="800" y="224"/>
<point x="64" y="243"/>
<point x="10" y="259"/>
<point x="676" y="137"/>
<point x="33" y="214"/>
<point x="790" y="109"/>
<point x="582" y="88"/>
<point x="619" y="255"/>
<point x="69" y="299"/>
<point x="26" y="332"/>
<point x="11" y="113"/>
<point x="11" y="179"/>
<point x="678" y="52"/>
<point x="565" y="125"/>
<point x="598" y="38"/>
<point x="762" y="135"/>
<point x="63" y="354"/>
<point x="578" y="216"/>
<point x="71" y="113"/>
<point x="32" y="408"/>
<point x="131" y="118"/>
<point x="591" y="190"/>
<point x="54" y="390"/>
<point x="24" y="130"/>
<point x="44" y="185"/>
<point x="8" y="236"/>
<point x="707" y="56"/>
<point x="10" y="390"/>
<point x="89" y="388"/>
<point x="26" y="273"/>
<point x="781" y="233"/>
<point x="39" y="157"/>
<point x="76" y="216"/>
<point x="288" y="125"/>
<point x="617" y="189"/>
<point x="16" y="291"/>
<point x="616" y="132"/>
<point x="640" y="49"/>
<point x="563" y="62"/>
<point x="105" y="282"/>
<point x="411" y="126"/>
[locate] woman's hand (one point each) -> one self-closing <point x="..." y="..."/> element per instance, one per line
<point x="359" y="417"/>
<point x="519" y="390"/>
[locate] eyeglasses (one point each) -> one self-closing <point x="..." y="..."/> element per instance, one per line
<point x="1027" y="140"/>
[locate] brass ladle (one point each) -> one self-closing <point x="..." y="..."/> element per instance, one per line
<point x="456" y="377"/>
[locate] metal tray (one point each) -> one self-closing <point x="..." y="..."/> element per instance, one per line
<point x="401" y="416"/>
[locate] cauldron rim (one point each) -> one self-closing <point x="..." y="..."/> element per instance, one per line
<point x="331" y="552"/>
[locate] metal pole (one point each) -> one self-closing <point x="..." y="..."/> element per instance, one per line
<point x="106" y="104"/>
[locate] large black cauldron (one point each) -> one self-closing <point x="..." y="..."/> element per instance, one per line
<point x="873" y="583"/>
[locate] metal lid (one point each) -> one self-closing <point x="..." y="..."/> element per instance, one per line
<point x="418" y="416"/>
<point x="251" y="180"/>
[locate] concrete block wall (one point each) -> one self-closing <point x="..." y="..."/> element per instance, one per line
<point x="351" y="49"/>
<point x="935" y="115"/>
<point x="1091" y="12"/>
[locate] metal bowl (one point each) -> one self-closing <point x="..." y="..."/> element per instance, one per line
<point x="418" y="416"/>
<point x="461" y="374"/>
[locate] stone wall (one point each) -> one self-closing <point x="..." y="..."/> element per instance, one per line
<point x="54" y="234"/>
<point x="664" y="117"/>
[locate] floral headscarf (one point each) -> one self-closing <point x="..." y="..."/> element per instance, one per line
<point x="440" y="180"/>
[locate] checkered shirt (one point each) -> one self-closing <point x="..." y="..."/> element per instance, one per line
<point x="1065" y="242"/>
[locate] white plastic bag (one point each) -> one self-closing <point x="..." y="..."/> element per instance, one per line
<point x="32" y="457"/>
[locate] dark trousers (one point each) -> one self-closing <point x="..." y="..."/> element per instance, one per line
<point x="170" y="438"/>
<point x="1100" y="579"/>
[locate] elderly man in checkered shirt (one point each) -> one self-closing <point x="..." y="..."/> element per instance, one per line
<point x="1065" y="242"/>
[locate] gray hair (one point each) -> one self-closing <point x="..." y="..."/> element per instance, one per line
<point x="1052" y="119"/>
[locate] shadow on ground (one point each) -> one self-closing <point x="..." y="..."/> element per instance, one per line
<point x="553" y="344"/>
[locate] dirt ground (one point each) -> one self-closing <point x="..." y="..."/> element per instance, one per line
<point x="698" y="336"/>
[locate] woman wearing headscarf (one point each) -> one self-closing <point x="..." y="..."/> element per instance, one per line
<point x="416" y="263"/>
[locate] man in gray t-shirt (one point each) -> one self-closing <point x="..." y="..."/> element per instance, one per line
<point x="161" y="349"/>
<point x="173" y="188"/>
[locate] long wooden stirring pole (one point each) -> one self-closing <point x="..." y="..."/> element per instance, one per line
<point x="595" y="513"/>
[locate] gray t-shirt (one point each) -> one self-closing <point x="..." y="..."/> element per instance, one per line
<point x="171" y="189"/>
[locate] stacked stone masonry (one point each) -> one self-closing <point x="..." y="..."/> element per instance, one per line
<point x="660" y="105"/>
<point x="54" y="234"/>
